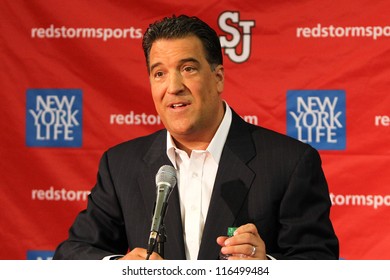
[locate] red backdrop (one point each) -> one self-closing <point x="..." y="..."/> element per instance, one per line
<point x="74" y="83"/>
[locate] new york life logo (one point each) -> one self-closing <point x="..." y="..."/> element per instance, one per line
<point x="317" y="117"/>
<point x="54" y="118"/>
<point x="39" y="255"/>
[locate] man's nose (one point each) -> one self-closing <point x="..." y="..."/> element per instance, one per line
<point x="175" y="83"/>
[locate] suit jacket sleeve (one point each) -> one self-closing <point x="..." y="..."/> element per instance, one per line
<point x="99" y="230"/>
<point x="305" y="228"/>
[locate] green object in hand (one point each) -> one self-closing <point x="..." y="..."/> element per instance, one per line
<point x="230" y="231"/>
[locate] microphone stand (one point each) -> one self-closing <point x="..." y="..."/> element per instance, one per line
<point x="161" y="239"/>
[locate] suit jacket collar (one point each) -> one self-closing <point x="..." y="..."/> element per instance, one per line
<point x="155" y="158"/>
<point x="233" y="181"/>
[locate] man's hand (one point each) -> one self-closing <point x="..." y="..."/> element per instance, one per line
<point x="140" y="254"/>
<point x="246" y="243"/>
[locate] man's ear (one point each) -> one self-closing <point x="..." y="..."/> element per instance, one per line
<point x="220" y="77"/>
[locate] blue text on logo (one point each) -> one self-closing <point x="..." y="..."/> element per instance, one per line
<point x="54" y="118"/>
<point x="317" y="117"/>
<point x="39" y="255"/>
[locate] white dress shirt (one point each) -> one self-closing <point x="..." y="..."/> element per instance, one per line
<point x="196" y="176"/>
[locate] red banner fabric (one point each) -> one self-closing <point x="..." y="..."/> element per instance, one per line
<point x="74" y="82"/>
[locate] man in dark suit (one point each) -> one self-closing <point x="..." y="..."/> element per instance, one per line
<point x="230" y="173"/>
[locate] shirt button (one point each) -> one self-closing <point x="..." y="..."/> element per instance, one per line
<point x="194" y="175"/>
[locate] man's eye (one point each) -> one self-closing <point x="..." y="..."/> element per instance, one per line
<point x="158" y="74"/>
<point x="189" y="69"/>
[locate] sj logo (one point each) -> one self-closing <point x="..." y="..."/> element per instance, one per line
<point x="239" y="33"/>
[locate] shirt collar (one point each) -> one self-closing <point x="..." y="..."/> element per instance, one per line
<point x="217" y="143"/>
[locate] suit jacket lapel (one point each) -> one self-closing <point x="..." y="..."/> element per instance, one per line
<point x="155" y="158"/>
<point x="231" y="187"/>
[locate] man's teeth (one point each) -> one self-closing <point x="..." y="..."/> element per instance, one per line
<point x="178" y="105"/>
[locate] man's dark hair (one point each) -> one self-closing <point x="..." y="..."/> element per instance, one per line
<point x="180" y="27"/>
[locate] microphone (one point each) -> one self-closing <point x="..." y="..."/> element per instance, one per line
<point x="165" y="182"/>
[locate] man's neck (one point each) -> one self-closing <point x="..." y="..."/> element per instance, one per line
<point x="189" y="146"/>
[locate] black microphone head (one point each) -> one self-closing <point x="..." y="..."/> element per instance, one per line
<point x="166" y="175"/>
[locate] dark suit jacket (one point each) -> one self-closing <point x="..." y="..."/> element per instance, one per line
<point x="264" y="178"/>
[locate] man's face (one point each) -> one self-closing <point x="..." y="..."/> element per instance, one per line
<point x="185" y="90"/>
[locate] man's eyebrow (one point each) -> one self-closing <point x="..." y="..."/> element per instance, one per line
<point x="181" y="61"/>
<point x="189" y="59"/>
<point x="154" y="65"/>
